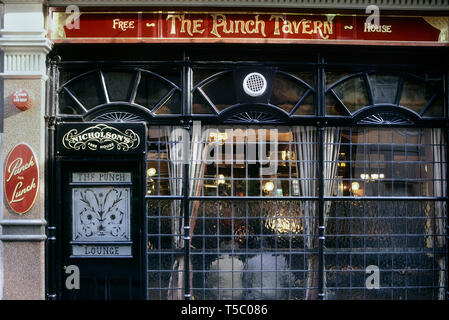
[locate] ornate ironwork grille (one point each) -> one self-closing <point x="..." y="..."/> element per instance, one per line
<point x="360" y="181"/>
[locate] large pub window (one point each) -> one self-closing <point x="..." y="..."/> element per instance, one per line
<point x="395" y="216"/>
<point x="365" y="188"/>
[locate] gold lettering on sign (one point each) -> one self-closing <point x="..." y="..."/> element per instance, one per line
<point x="122" y="24"/>
<point x="225" y="25"/>
<point x="16" y="168"/>
<point x="101" y="136"/>
<point x="276" y="18"/>
<point x="307" y="27"/>
<point x="220" y="24"/>
<point x="219" y="21"/>
<point x="18" y="193"/>
<point x="368" y="27"/>
<point x="192" y="26"/>
<point x="323" y="29"/>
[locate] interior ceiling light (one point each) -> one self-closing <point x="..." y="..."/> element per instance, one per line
<point x="221" y="179"/>
<point x="254" y="84"/>
<point x="269" y="186"/>
<point x="151" y="172"/>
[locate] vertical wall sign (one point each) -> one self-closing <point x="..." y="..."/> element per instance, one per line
<point x="21" y="178"/>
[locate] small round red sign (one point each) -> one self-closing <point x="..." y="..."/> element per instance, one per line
<point x="21" y="99"/>
<point x="21" y="178"/>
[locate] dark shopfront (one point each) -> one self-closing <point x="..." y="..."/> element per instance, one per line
<point x="307" y="167"/>
<point x="360" y="178"/>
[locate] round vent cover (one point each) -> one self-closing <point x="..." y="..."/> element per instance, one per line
<point x="254" y="84"/>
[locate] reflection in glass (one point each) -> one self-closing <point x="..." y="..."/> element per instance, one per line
<point x="286" y="92"/>
<point x="87" y="90"/>
<point x="353" y="93"/>
<point x="396" y="237"/>
<point x="249" y="250"/>
<point x="403" y="238"/>
<point x="151" y="90"/>
<point x="384" y="87"/>
<point x="389" y="162"/>
<point x="119" y="84"/>
<point x="418" y="92"/>
<point x="219" y="97"/>
<point x="334" y="107"/>
<point x="307" y="106"/>
<point x="242" y="247"/>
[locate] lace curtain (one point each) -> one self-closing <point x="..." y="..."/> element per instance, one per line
<point x="307" y="156"/>
<point x="182" y="148"/>
<point x="307" y="153"/>
<point x="436" y="233"/>
<point x="174" y="141"/>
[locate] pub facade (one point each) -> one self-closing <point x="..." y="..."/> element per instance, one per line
<point x="167" y="150"/>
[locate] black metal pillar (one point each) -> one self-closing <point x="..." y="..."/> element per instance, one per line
<point x="321" y="105"/>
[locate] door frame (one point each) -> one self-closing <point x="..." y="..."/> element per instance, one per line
<point x="56" y="279"/>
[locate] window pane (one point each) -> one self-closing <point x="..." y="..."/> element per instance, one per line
<point x="67" y="105"/>
<point x="436" y="109"/>
<point x="307" y="106"/>
<point x="387" y="162"/>
<point x="172" y="106"/>
<point x="286" y="92"/>
<point x="200" y="106"/>
<point x="353" y="93"/>
<point x="119" y="84"/>
<point x="396" y="237"/>
<point x="333" y="77"/>
<point x="384" y="87"/>
<point x="151" y="90"/>
<point x="416" y="94"/>
<point x="221" y="91"/>
<point x="88" y="90"/>
<point x="333" y="107"/>
<point x="237" y="162"/>
<point x="165" y="263"/>
<point x="250" y="250"/>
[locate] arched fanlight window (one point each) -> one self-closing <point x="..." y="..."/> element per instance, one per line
<point x="217" y="92"/>
<point x="349" y="94"/>
<point x="132" y="91"/>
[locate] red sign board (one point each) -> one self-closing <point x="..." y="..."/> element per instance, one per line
<point x="246" y="27"/>
<point x="21" y="99"/>
<point x="21" y="178"/>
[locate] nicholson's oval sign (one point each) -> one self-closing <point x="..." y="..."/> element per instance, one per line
<point x="21" y="178"/>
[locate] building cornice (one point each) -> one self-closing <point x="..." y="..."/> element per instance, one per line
<point x="428" y="5"/>
<point x="24" y="42"/>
